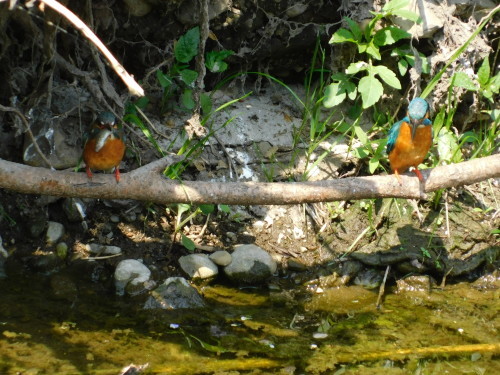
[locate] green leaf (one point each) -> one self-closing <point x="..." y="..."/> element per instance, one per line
<point x="402" y="66"/>
<point x="187" y="46"/>
<point x="373" y="164"/>
<point x="395" y="4"/>
<point x="224" y="208"/>
<point x="373" y="50"/>
<point x="494" y="84"/>
<point x="356" y="67"/>
<point x="206" y="103"/>
<point x="182" y="207"/>
<point x="188" y="76"/>
<point x="361" y="134"/>
<point x="187" y="99"/>
<point x="215" y="60"/>
<point x="355" y="29"/>
<point x="371" y="90"/>
<point x="388" y="76"/>
<point x="142" y="102"/>
<point x="362" y="47"/>
<point x="438" y="122"/>
<point x="483" y="73"/>
<point x="164" y="80"/>
<point x="333" y="95"/>
<point x="342" y="36"/>
<point x="447" y="146"/>
<point x="207" y="208"/>
<point x="461" y="79"/>
<point x="408" y="14"/>
<point x="188" y="243"/>
<point x="389" y="35"/>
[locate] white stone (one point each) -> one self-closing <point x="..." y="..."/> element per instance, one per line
<point x="54" y="232"/>
<point x="130" y="271"/>
<point x="198" y="266"/>
<point x="221" y="258"/>
<point x="250" y="264"/>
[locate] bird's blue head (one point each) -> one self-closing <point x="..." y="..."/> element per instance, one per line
<point x="106" y="118"/>
<point x="418" y="112"/>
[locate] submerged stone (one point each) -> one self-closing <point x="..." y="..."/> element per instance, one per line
<point x="174" y="293"/>
<point x="421" y="284"/>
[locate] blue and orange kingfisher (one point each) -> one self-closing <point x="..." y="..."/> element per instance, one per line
<point x="410" y="139"/>
<point x="105" y="145"/>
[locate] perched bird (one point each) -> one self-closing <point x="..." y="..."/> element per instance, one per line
<point x="105" y="145"/>
<point x="410" y="139"/>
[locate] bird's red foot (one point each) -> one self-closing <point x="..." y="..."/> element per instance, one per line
<point x="89" y="172"/>
<point x="419" y="175"/>
<point x="117" y="174"/>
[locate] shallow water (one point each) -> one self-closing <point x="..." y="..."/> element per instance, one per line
<point x="251" y="331"/>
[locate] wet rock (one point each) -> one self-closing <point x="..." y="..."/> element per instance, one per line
<point x="369" y="278"/>
<point x="174" y="293"/>
<point x="489" y="281"/>
<point x="99" y="249"/>
<point x="131" y="276"/>
<point x="198" y="266"/>
<point x="50" y="136"/>
<point x="37" y="225"/>
<point x="410" y="284"/>
<point x="250" y="265"/>
<point x="46" y="262"/>
<point x="296" y="265"/>
<point x="63" y="287"/>
<point x="411" y="266"/>
<point x="75" y="209"/>
<point x="221" y="258"/>
<point x="350" y="268"/>
<point x="54" y="232"/>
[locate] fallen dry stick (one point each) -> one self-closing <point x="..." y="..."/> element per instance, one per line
<point x="148" y="184"/>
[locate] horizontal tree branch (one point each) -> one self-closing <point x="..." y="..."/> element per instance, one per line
<point x="148" y="184"/>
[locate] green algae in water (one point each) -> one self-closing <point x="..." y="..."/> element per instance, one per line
<point x="245" y="332"/>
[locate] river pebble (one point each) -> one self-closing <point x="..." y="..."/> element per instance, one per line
<point x="131" y="276"/>
<point x="174" y="293"/>
<point x="54" y="232"/>
<point x="221" y="258"/>
<point x="198" y="266"/>
<point x="250" y="265"/>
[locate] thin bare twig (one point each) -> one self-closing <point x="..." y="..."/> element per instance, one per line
<point x="132" y="85"/>
<point x="30" y="133"/>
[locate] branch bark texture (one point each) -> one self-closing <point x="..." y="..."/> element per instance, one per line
<point x="148" y="184"/>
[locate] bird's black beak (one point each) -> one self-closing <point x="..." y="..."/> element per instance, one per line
<point x="414" y="125"/>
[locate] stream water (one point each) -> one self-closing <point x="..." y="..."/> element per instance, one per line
<point x="250" y="331"/>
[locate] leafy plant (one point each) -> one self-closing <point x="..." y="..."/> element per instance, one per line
<point x="180" y="78"/>
<point x="449" y="144"/>
<point x="369" y="42"/>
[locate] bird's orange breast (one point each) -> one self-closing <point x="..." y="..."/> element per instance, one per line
<point x="109" y="156"/>
<point x="407" y="152"/>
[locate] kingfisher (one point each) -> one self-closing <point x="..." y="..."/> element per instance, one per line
<point x="410" y="139"/>
<point x="105" y="145"/>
